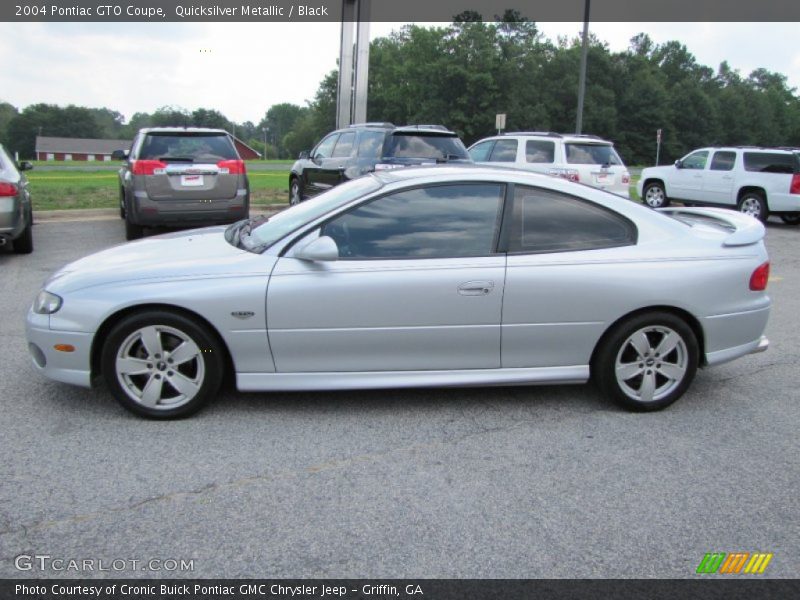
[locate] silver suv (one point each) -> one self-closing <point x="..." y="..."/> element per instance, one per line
<point x="16" y="212"/>
<point x="581" y="158"/>
<point x="181" y="176"/>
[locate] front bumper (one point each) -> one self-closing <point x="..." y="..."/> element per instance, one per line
<point x="68" y="367"/>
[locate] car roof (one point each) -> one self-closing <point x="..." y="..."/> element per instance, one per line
<point x="570" y="138"/>
<point x="182" y="130"/>
<point x="430" y="129"/>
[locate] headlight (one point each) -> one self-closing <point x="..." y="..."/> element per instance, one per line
<point x="46" y="303"/>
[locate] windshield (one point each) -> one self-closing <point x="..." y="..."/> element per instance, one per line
<point x="285" y="222"/>
<point x="592" y="154"/>
<point x="431" y="147"/>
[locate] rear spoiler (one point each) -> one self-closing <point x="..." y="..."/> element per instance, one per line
<point x="745" y="230"/>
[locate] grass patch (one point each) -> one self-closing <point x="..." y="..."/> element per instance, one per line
<point x="56" y="190"/>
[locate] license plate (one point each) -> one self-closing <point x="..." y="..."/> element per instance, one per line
<point x="191" y="180"/>
<point x="601" y="177"/>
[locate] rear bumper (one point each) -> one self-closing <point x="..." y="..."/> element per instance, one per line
<point x="729" y="337"/>
<point x="12" y="218"/>
<point x="180" y="213"/>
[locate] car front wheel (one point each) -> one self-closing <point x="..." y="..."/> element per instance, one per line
<point x="162" y="365"/>
<point x="753" y="204"/>
<point x="655" y="196"/>
<point x="647" y="362"/>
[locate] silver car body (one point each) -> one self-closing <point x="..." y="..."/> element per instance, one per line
<point x="15" y="211"/>
<point x="294" y="324"/>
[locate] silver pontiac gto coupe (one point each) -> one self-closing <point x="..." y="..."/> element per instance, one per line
<point x="439" y="276"/>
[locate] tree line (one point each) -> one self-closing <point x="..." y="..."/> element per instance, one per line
<point x="462" y="74"/>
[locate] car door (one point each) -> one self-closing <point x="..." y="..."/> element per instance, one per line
<point x="313" y="171"/>
<point x="686" y="181"/>
<point x="564" y="280"/>
<point x="418" y="286"/>
<point x="718" y="180"/>
<point x="331" y="170"/>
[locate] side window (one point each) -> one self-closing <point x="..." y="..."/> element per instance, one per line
<point x="723" y="160"/>
<point x="344" y="147"/>
<point x="540" y="151"/>
<point x="325" y="148"/>
<point x="370" y="144"/>
<point x="480" y="152"/>
<point x="546" y="221"/>
<point x="440" y="221"/>
<point x="769" y="162"/>
<point x="504" y="151"/>
<point x="696" y="160"/>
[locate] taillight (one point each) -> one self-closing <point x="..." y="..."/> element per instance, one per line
<point x="626" y="178"/>
<point x="8" y="189"/>
<point x="232" y="167"/>
<point x="148" y="167"/>
<point x="795" y="187"/>
<point x="759" y="278"/>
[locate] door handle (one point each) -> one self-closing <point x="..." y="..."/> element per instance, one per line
<point x="476" y="288"/>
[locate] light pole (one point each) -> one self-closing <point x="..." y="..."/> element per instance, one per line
<point x="582" y="76"/>
<point x="265" y="130"/>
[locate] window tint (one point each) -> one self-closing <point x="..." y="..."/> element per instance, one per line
<point x="723" y="160"/>
<point x="696" y="160"/>
<point x="504" y="151"/>
<point x="345" y="144"/>
<point x="370" y="144"/>
<point x="325" y="148"/>
<point x="592" y="154"/>
<point x="540" y="151"/>
<point x="430" y="222"/>
<point x="545" y="221"/>
<point x="480" y="152"/>
<point x="189" y="146"/>
<point x="425" y="146"/>
<point x="769" y="162"/>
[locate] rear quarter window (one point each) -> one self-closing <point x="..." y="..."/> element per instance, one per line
<point x="770" y="162"/>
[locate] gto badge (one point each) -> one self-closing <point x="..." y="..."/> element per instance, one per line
<point x="242" y="314"/>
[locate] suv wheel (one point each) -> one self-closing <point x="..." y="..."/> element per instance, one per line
<point x="295" y="195"/>
<point x="655" y="196"/>
<point x="121" y="203"/>
<point x="24" y="243"/>
<point x="753" y="204"/>
<point x="132" y="231"/>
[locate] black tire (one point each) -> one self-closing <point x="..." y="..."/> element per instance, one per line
<point x="669" y="375"/>
<point x="295" y="191"/>
<point x="791" y="218"/>
<point x="176" y="389"/>
<point x="121" y="203"/>
<point x="133" y="231"/>
<point x="24" y="243"/>
<point x="654" y="195"/>
<point x="754" y="204"/>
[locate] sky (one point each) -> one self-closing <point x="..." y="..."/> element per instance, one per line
<point x="241" y="69"/>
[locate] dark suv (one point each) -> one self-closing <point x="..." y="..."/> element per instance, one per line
<point x="181" y="176"/>
<point x="359" y="149"/>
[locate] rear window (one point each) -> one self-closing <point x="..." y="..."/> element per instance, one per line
<point x="592" y="154"/>
<point x="195" y="147"/>
<point x="770" y="162"/>
<point x="425" y="146"/>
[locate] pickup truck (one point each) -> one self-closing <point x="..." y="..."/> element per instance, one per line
<point x="755" y="181"/>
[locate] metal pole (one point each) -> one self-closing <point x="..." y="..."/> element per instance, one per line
<point x="362" y="63"/>
<point x="266" y="129"/>
<point x="582" y="76"/>
<point x="344" y="94"/>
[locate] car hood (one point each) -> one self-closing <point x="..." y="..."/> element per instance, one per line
<point x="197" y="253"/>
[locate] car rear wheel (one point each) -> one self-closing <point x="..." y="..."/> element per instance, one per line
<point x="791" y="219"/>
<point x="24" y="243"/>
<point x="753" y="204"/>
<point x="121" y="203"/>
<point x="647" y="362"/>
<point x="162" y="365"/>
<point x="132" y="231"/>
<point x="295" y="194"/>
<point x="655" y="196"/>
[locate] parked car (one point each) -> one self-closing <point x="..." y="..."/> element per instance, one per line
<point x="580" y="158"/>
<point x="433" y="277"/>
<point x="16" y="211"/>
<point x="179" y="176"/>
<point x="756" y="181"/>
<point x="351" y="152"/>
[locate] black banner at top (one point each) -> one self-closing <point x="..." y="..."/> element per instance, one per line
<point x="396" y="10"/>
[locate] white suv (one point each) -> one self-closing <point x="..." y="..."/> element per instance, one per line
<point x="582" y="158"/>
<point x="756" y="181"/>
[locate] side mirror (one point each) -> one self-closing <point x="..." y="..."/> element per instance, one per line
<point x="119" y="155"/>
<point x="321" y="249"/>
<point x="678" y="164"/>
<point x="303" y="155"/>
<point x="25" y="166"/>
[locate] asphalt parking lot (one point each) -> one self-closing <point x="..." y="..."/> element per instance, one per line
<point x="489" y="483"/>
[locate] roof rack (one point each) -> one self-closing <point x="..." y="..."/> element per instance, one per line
<point x="386" y="125"/>
<point x="543" y="133"/>
<point x="585" y="135"/>
<point x="424" y="126"/>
